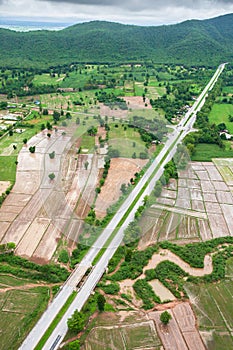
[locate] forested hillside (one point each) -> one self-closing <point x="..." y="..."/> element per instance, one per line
<point x="191" y="42"/>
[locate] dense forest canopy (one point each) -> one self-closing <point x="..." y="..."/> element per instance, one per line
<point x="206" y="42"/>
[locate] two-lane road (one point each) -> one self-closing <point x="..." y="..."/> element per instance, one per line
<point x="147" y="182"/>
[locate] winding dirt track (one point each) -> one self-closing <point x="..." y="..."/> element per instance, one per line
<point x="165" y="254"/>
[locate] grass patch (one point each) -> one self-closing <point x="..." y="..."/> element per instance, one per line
<point x="205" y="152"/>
<point x="220" y="113"/>
<point x="11" y="281"/>
<point x="88" y="143"/>
<point x="126" y="336"/>
<point x="20" y="309"/>
<point x="8" y="168"/>
<point x="214" y="312"/>
<point x="125" y="140"/>
<point x="46" y="79"/>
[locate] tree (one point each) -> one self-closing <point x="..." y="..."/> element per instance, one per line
<point x="128" y="255"/>
<point x="52" y="155"/>
<point x="11" y="133"/>
<point x="52" y="176"/>
<point x="25" y="141"/>
<point x="86" y="165"/>
<point x="56" y="116"/>
<point x="48" y="126"/>
<point x="97" y="190"/>
<point x="76" y="321"/>
<point x="123" y="188"/>
<point x="68" y="115"/>
<point x="63" y="256"/>
<point x="92" y="131"/>
<point x="32" y="149"/>
<point x="158" y="189"/>
<point x="101" y="302"/>
<point x="45" y="112"/>
<point x="74" y="345"/>
<point x="165" y="317"/>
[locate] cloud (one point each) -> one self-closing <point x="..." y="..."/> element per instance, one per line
<point x="138" y="4"/>
<point x="142" y="12"/>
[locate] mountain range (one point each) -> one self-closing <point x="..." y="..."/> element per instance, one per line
<point x="194" y="42"/>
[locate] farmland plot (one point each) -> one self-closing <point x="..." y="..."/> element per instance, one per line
<point x="24" y="211"/>
<point x="213" y="307"/>
<point x="119" y="334"/>
<point x="204" y="197"/>
<point x="120" y="172"/>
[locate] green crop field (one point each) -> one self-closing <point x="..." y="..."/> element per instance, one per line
<point x="220" y="113"/>
<point x="206" y="152"/>
<point x="212" y="304"/>
<point x="19" y="310"/>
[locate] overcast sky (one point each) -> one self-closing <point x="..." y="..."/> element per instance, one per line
<point x="143" y="12"/>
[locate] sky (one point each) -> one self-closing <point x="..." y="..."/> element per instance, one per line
<point x="140" y="12"/>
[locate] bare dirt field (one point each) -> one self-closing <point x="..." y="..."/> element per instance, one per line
<point x="161" y="291"/>
<point x="181" y="332"/>
<point x="136" y="102"/>
<point x="120" y="172"/>
<point x="115" y="112"/>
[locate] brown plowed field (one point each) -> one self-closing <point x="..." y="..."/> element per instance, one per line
<point x="181" y="332"/>
<point x="24" y="214"/>
<point x="120" y="172"/>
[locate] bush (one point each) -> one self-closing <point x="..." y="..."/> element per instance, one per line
<point x="146" y="293"/>
<point x="171" y="276"/>
<point x="21" y="267"/>
<point x="195" y="253"/>
<point x="76" y="321"/>
<point x="134" y="267"/>
<point x="63" y="256"/>
<point x="112" y="288"/>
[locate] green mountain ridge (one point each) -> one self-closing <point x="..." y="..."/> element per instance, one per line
<point x="191" y="42"/>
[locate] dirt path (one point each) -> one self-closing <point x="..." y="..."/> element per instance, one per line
<point x="167" y="255"/>
<point x="181" y="211"/>
<point x="28" y="286"/>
